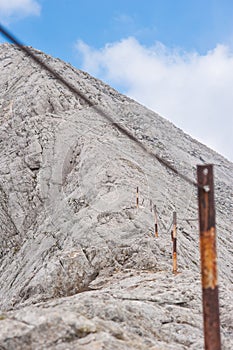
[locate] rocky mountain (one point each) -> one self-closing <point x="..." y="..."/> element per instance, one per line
<point x="80" y="266"/>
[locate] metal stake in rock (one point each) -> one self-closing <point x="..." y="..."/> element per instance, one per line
<point x="156" y="222"/>
<point x="137" y="198"/>
<point x="208" y="257"/>
<point x="174" y="240"/>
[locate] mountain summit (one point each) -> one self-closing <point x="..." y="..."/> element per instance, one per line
<point x="80" y="266"/>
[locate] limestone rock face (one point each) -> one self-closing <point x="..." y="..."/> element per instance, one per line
<point x="80" y="267"/>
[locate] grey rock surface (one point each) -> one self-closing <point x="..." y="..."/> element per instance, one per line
<point x="80" y="267"/>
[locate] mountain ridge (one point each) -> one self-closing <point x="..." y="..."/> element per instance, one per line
<point x="68" y="179"/>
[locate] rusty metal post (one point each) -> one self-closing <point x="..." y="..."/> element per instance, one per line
<point x="156" y="222"/>
<point x="208" y="257"/>
<point x="137" y="198"/>
<point x="174" y="240"/>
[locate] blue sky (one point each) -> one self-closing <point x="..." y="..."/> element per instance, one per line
<point x="173" y="56"/>
<point x="188" y="24"/>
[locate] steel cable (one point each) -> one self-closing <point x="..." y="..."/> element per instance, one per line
<point x="10" y="37"/>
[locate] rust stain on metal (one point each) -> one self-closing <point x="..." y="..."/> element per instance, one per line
<point x="174" y="256"/>
<point x="209" y="259"/>
<point x="174" y="245"/>
<point x="211" y="319"/>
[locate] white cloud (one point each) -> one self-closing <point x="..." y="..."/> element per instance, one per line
<point x="194" y="91"/>
<point x="18" y="8"/>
